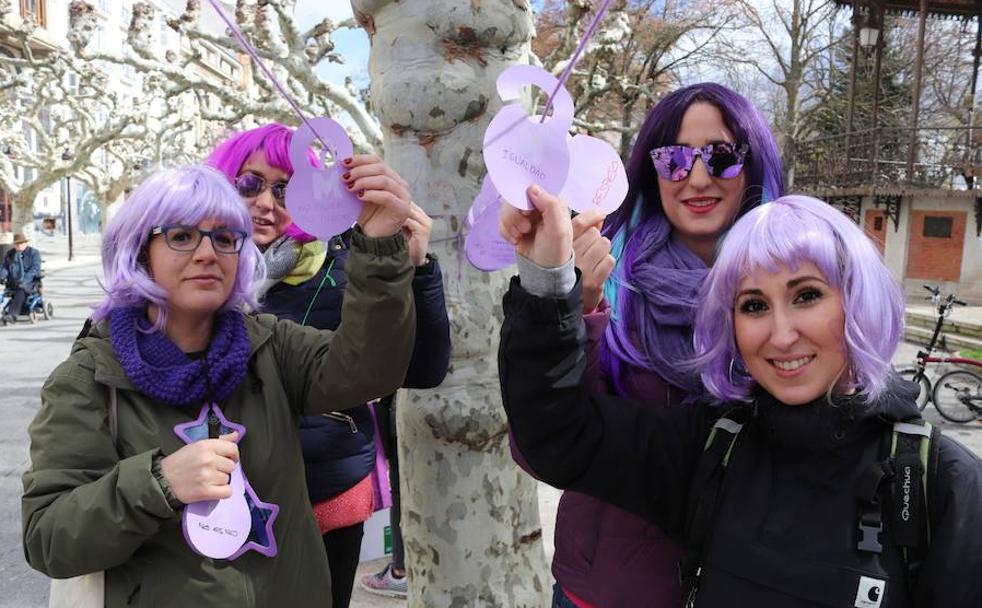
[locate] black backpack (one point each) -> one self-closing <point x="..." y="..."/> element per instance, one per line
<point x="901" y="478"/>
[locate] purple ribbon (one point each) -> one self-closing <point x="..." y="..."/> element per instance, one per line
<point x="248" y="48"/>
<point x="590" y="30"/>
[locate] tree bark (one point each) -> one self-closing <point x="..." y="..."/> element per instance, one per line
<point x="470" y="515"/>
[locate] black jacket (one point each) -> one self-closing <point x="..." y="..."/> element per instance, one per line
<point x="339" y="449"/>
<point x="786" y="530"/>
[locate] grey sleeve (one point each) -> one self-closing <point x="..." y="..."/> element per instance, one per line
<point x="547" y="282"/>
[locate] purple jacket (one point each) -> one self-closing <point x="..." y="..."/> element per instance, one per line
<point x="605" y="555"/>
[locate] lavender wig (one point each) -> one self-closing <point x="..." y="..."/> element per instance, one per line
<point x="653" y="289"/>
<point x="185" y="195"/>
<point x="274" y="141"/>
<point x="789" y="232"/>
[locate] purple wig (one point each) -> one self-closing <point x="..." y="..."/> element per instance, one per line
<point x="653" y="289"/>
<point x="274" y="141"/>
<point x="789" y="232"/>
<point x="185" y="195"/>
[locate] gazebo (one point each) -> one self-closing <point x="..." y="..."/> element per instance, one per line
<point x="902" y="177"/>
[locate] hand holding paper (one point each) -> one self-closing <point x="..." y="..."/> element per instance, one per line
<point x="544" y="235"/>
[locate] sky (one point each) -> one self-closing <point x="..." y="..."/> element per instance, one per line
<point x="352" y="44"/>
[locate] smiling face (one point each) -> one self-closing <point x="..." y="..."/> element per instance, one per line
<point x="701" y="207"/>
<point x="270" y="218"/>
<point x="789" y="329"/>
<point x="198" y="283"/>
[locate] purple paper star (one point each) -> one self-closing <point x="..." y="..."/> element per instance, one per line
<point x="261" y="538"/>
<point x="197" y="429"/>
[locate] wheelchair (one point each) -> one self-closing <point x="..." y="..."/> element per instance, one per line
<point x="35" y="306"/>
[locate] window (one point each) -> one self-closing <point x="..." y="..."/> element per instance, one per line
<point x="878" y="224"/>
<point x="34" y="9"/>
<point x="938" y="227"/>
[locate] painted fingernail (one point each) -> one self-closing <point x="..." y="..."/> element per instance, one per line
<point x="361" y="194"/>
<point x="347" y="162"/>
<point x="346" y="176"/>
<point x="350" y="187"/>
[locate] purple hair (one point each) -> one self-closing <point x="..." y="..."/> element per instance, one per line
<point x="789" y="232"/>
<point x="274" y="141"/>
<point x="653" y="290"/>
<point x="185" y="195"/>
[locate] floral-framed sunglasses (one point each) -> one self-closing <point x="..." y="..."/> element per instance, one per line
<point x="250" y="185"/>
<point x="724" y="160"/>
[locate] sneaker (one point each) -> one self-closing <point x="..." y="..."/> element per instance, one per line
<point x="383" y="583"/>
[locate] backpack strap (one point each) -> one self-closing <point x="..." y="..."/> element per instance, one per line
<point x="704" y="497"/>
<point x="911" y="449"/>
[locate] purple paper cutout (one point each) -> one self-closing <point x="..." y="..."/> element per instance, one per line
<point x="597" y="179"/>
<point x="218" y="528"/>
<point x="244" y="503"/>
<point x="485" y="248"/>
<point x="317" y="199"/>
<point x="519" y="151"/>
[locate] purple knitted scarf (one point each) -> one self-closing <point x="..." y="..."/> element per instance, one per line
<point x="162" y="371"/>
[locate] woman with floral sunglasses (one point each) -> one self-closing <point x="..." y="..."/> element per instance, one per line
<point x="703" y="158"/>
<point x="175" y="392"/>
<point x="305" y="283"/>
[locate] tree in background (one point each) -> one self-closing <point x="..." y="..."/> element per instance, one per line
<point x="470" y="515"/>
<point x="60" y="118"/>
<point x="632" y="60"/>
<point x="291" y="53"/>
<point x="782" y="42"/>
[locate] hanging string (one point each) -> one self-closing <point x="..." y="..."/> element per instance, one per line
<point x="568" y="71"/>
<point x="248" y="48"/>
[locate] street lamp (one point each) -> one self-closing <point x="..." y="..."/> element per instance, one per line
<point x="868" y="36"/>
<point x="67" y="156"/>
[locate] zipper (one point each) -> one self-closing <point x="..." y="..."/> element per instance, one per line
<point x="343" y="418"/>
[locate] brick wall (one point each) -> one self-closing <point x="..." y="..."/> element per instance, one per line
<point x="936" y="258"/>
<point x="876" y="230"/>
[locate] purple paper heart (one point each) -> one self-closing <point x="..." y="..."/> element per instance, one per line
<point x="317" y="199"/>
<point x="519" y="151"/>
<point x="596" y="179"/>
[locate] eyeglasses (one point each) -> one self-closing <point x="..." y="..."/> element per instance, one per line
<point x="723" y="160"/>
<point x="250" y="185"/>
<point x="187" y="238"/>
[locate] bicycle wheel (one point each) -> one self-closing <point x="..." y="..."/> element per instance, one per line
<point x="955" y="393"/>
<point x="908" y="373"/>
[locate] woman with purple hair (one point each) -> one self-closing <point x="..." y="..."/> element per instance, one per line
<point x="805" y="477"/>
<point x="175" y="395"/>
<point x="703" y="158"/>
<point x="306" y="282"/>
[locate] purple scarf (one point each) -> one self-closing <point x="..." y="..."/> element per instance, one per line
<point x="658" y="295"/>
<point x="163" y="372"/>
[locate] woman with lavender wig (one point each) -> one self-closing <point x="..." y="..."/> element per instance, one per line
<point x="176" y="392"/>
<point x="703" y="158"/>
<point x="306" y="282"/>
<point x="805" y="504"/>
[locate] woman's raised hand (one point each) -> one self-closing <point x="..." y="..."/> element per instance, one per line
<point x="417" y="230"/>
<point x="544" y="235"/>
<point x="593" y="257"/>
<point x="384" y="193"/>
<point x="200" y="470"/>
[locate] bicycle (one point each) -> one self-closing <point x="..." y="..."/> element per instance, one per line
<point x="958" y="394"/>
<point x="917" y="372"/>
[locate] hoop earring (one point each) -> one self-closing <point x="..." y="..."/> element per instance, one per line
<point x="729" y="373"/>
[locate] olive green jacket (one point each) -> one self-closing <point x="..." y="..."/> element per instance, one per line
<point x="90" y="505"/>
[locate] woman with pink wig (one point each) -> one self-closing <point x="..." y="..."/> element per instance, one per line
<point x="306" y="282"/>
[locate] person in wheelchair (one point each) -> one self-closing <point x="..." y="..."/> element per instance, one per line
<point x="21" y="271"/>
